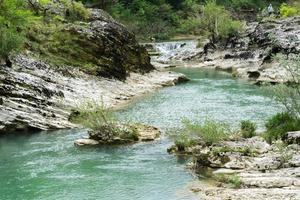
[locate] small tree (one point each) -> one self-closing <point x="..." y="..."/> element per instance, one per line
<point x="218" y="23"/>
<point x="289" y="94"/>
<point x="13" y="19"/>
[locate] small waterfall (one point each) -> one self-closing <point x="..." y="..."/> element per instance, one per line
<point x="175" y="51"/>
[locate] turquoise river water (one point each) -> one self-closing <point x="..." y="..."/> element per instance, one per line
<point x="48" y="166"/>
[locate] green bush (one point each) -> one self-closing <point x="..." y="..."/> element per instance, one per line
<point x="14" y="17"/>
<point x="189" y="25"/>
<point x="233" y="181"/>
<point x="280" y="124"/>
<point x="102" y="122"/>
<point x="92" y="115"/>
<point x="288" y="11"/>
<point x="210" y="132"/>
<point x="183" y="141"/>
<point x="288" y="94"/>
<point x="77" y="10"/>
<point x="248" y="129"/>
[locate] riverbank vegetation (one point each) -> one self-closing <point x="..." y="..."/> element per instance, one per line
<point x="14" y="20"/>
<point x="102" y="124"/>
<point x="209" y="132"/>
<point x="288" y="95"/>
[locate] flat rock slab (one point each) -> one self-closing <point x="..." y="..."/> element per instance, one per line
<point x="148" y="133"/>
<point x="292" y="137"/>
<point x="85" y="142"/>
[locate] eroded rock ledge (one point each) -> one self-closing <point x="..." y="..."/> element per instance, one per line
<point x="34" y="95"/>
<point x="250" y="56"/>
<point x="260" y="170"/>
<point x="128" y="134"/>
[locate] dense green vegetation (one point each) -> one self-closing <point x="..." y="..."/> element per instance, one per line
<point x="14" y="18"/>
<point x="218" y="23"/>
<point x="26" y="23"/>
<point x="231" y="181"/>
<point x="289" y="10"/>
<point x="248" y="129"/>
<point x="157" y="19"/>
<point x="161" y="19"/>
<point x="208" y="133"/>
<point x="289" y="96"/>
<point x="280" y="124"/>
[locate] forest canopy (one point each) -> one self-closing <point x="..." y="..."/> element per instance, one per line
<point x="161" y="19"/>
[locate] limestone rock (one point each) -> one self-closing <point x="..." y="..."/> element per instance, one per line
<point x="292" y="137"/>
<point x="147" y="133"/>
<point x="250" y="56"/>
<point x="36" y="96"/>
<point x="86" y="142"/>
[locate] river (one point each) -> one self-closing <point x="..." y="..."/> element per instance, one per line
<point x="47" y="166"/>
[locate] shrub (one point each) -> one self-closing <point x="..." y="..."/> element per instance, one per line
<point x="10" y="40"/>
<point x="280" y="124"/>
<point x="233" y="181"/>
<point x="76" y="10"/>
<point x="92" y="115"/>
<point x="248" y="129"/>
<point x="13" y="19"/>
<point x="183" y="141"/>
<point x="210" y="132"/>
<point x="102" y="123"/>
<point x="288" y="11"/>
<point x="289" y="94"/>
<point x="189" y="25"/>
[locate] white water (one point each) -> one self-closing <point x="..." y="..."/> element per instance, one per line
<point x="175" y="50"/>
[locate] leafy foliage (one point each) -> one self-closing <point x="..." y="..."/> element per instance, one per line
<point x="102" y="122"/>
<point x="248" y="129"/>
<point x="210" y="132"/>
<point x="76" y="10"/>
<point x="288" y="11"/>
<point x="289" y="94"/>
<point x="233" y="181"/>
<point x="218" y="23"/>
<point x="13" y="20"/>
<point x="280" y="124"/>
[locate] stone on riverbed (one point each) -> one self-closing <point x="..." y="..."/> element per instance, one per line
<point x="84" y="142"/>
<point x="147" y="133"/>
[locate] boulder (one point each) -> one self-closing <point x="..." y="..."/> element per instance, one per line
<point x="147" y="133"/>
<point x="86" y="142"/>
<point x="292" y="137"/>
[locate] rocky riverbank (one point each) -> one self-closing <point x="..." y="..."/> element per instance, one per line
<point x="36" y="96"/>
<point x="246" y="169"/>
<point x="67" y="63"/>
<point x="252" y="55"/>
